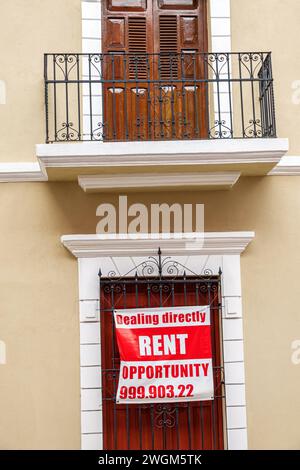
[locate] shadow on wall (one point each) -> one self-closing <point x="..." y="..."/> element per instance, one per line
<point x="233" y="210"/>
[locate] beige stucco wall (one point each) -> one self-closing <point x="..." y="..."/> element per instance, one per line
<point x="39" y="393"/>
<point x="28" y="29"/>
<point x="273" y="25"/>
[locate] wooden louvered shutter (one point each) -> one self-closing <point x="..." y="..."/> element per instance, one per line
<point x="127" y="27"/>
<point x="168" y="44"/>
<point x="180" y="29"/>
<point x="127" y="38"/>
<point x="137" y="46"/>
<point x="180" y="26"/>
<point x="142" y="102"/>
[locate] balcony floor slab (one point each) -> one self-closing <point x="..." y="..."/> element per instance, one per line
<point x="252" y="157"/>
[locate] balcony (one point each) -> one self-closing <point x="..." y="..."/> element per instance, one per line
<point x="121" y="97"/>
<point x="203" y="112"/>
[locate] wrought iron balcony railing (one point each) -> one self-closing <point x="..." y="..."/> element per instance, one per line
<point x="121" y="97"/>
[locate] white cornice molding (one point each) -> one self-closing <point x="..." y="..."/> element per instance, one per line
<point x="22" y="172"/>
<point x="93" y="246"/>
<point x="161" y="153"/>
<point x="140" y="181"/>
<point x="288" y="166"/>
<point x="37" y="171"/>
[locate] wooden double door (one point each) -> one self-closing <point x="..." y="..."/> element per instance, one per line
<point x="153" y="60"/>
<point x="165" y="426"/>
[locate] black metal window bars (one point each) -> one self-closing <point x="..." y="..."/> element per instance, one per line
<point x="161" y="282"/>
<point x="122" y="97"/>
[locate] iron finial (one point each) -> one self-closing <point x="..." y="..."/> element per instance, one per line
<point x="159" y="262"/>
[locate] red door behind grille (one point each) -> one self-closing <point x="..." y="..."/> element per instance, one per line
<point x="186" y="425"/>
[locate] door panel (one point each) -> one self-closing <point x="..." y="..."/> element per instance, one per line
<point x="125" y="5"/>
<point x="177" y="4"/>
<point x="189" y="31"/>
<point x="115" y="33"/>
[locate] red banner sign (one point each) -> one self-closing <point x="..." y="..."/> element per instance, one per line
<point x="165" y="354"/>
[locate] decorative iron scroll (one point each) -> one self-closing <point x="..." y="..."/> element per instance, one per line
<point x="159" y="267"/>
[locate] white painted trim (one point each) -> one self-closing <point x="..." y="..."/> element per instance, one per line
<point x="84" y="246"/>
<point x="91" y="43"/>
<point x="158" y="180"/>
<point x="36" y="171"/>
<point x="233" y="342"/>
<point x="288" y="166"/>
<point x="160" y="153"/>
<point x="3" y="358"/>
<point x="22" y="172"/>
<point x="220" y="26"/>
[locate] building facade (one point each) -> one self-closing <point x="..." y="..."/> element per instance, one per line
<point x="108" y="108"/>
